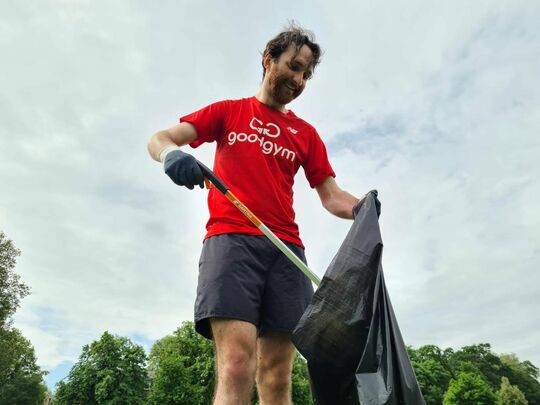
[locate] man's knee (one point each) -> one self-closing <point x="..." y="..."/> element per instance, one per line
<point x="237" y="364"/>
<point x="272" y="382"/>
<point x="275" y="358"/>
<point x="235" y="345"/>
<point x="274" y="376"/>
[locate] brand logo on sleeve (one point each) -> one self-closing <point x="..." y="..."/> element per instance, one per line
<point x="292" y="130"/>
<point x="259" y="136"/>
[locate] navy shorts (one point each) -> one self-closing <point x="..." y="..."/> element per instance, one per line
<point x="245" y="277"/>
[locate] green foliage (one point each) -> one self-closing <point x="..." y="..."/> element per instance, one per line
<point x="469" y="389"/>
<point x="109" y="371"/>
<point x="480" y="358"/>
<point x="433" y="371"/>
<point x="21" y="379"/>
<point x="12" y="290"/>
<point x="435" y="368"/>
<point x="522" y="374"/>
<point x="181" y="368"/>
<point x="526" y="366"/>
<point x="510" y="394"/>
<point x="301" y="391"/>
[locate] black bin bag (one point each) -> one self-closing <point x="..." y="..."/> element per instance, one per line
<point x="349" y="334"/>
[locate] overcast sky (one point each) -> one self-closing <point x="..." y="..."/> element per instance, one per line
<point x="436" y="104"/>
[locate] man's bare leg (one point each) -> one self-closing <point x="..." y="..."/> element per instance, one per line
<point x="236" y="361"/>
<point x="275" y="356"/>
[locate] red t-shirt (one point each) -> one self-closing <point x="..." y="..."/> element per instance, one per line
<point x="259" y="150"/>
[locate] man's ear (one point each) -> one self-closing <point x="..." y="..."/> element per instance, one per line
<point x="266" y="61"/>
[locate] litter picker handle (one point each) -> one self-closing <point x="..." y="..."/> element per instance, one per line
<point x="213" y="178"/>
<point x="216" y="181"/>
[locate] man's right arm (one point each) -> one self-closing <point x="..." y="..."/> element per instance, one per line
<point x="181" y="167"/>
<point x="179" y="135"/>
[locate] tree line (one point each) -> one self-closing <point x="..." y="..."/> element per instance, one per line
<point x="180" y="367"/>
<point x="474" y="375"/>
<point x="180" y="370"/>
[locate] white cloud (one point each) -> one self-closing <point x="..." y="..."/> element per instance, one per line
<point x="455" y="160"/>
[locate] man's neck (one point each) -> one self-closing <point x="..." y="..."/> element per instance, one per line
<point x="268" y="100"/>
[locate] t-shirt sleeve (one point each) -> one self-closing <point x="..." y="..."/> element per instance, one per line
<point x="317" y="166"/>
<point x="208" y="121"/>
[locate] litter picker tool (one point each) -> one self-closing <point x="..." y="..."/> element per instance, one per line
<point x="209" y="174"/>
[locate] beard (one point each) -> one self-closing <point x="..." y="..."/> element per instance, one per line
<point x="281" y="88"/>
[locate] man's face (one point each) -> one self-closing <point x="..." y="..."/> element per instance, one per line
<point x="286" y="77"/>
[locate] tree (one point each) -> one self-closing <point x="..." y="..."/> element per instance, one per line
<point x="435" y="368"/>
<point x="21" y="379"/>
<point x="469" y="389"/>
<point x="524" y="375"/>
<point x="12" y="290"/>
<point x="109" y="371"/>
<point x="181" y="368"/>
<point x="433" y="371"/>
<point x="510" y="394"/>
<point x="301" y="390"/>
<point x="480" y="356"/>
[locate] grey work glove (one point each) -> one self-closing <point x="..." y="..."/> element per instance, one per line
<point x="183" y="169"/>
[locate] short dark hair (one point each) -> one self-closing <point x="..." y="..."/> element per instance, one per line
<point x="293" y="34"/>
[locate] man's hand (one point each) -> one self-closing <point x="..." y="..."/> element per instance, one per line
<point x="356" y="208"/>
<point x="183" y="169"/>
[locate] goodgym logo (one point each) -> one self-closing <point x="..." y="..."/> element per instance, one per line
<point x="268" y="147"/>
<point x="270" y="129"/>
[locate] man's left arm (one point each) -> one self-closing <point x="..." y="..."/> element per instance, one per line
<point x="337" y="201"/>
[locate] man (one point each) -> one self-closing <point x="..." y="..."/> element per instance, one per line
<point x="249" y="296"/>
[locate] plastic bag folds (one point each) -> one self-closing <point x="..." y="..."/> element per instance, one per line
<point x="349" y="334"/>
